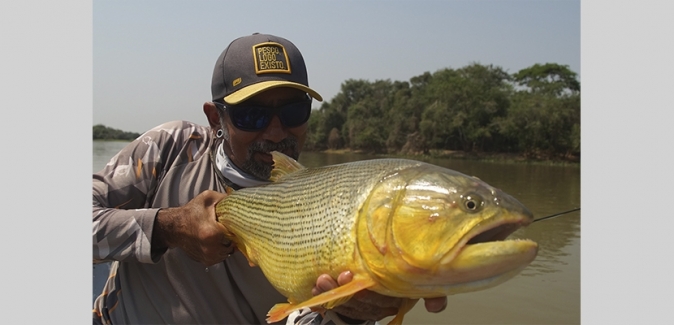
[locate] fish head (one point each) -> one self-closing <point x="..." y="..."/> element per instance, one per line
<point x="430" y="231"/>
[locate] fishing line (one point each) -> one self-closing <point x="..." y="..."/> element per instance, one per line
<point x="556" y="214"/>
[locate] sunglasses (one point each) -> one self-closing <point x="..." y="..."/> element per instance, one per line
<point x="257" y="117"/>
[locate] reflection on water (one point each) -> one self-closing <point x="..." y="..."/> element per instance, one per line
<point x="546" y="292"/>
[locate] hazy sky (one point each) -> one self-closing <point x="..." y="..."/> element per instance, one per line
<point x="153" y="60"/>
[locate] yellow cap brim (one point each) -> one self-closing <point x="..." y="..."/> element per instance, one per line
<point x="250" y="91"/>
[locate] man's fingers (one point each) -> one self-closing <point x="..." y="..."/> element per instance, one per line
<point x="226" y="251"/>
<point x="344" y="278"/>
<point x="211" y="198"/>
<point x="326" y="283"/>
<point x="217" y="197"/>
<point x="373" y="298"/>
<point x="435" y="305"/>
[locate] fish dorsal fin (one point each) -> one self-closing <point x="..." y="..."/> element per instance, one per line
<point x="283" y="165"/>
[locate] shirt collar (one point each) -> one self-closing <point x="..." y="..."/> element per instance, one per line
<point x="233" y="173"/>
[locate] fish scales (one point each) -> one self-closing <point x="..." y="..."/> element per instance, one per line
<point x="306" y="220"/>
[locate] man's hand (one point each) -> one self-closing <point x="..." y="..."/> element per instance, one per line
<point x="194" y="228"/>
<point x="369" y="305"/>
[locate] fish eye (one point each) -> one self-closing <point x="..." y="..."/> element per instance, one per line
<point x="471" y="205"/>
<point x="472" y="202"/>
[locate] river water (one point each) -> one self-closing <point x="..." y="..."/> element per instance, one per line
<point x="546" y="292"/>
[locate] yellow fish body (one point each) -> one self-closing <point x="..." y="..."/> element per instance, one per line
<point x="404" y="228"/>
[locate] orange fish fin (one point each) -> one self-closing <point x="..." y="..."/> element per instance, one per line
<point x="405" y="307"/>
<point x="279" y="312"/>
<point x="240" y="245"/>
<point x="246" y="251"/>
<point x="283" y="165"/>
<point x="334" y="303"/>
<point x="329" y="299"/>
<point x="319" y="309"/>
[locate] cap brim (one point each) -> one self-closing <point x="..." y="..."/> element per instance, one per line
<point x="250" y="91"/>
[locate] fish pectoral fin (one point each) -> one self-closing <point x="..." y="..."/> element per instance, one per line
<point x="279" y="312"/>
<point x="337" y="296"/>
<point x="406" y="306"/>
<point x="245" y="250"/>
<point x="328" y="299"/>
<point x="334" y="303"/>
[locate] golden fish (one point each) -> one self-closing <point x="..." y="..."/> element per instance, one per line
<point x="404" y="228"/>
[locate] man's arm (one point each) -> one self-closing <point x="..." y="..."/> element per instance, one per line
<point x="126" y="229"/>
<point x="122" y="225"/>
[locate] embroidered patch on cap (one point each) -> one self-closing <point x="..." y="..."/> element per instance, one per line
<point x="270" y="57"/>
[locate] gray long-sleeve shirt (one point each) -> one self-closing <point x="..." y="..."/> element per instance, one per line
<point x="166" y="167"/>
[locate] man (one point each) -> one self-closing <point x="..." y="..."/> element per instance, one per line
<point x="153" y="204"/>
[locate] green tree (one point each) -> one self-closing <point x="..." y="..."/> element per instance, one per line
<point x="365" y="126"/>
<point x="434" y="126"/>
<point x="334" y="139"/>
<point x="544" y="119"/>
<point x="466" y="103"/>
<point x="321" y="122"/>
<point x="550" y="78"/>
<point x="102" y="132"/>
<point x="403" y="118"/>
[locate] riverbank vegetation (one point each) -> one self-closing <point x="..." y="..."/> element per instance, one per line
<point x="102" y="132"/>
<point x="475" y="111"/>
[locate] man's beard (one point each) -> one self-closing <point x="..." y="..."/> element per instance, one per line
<point x="262" y="170"/>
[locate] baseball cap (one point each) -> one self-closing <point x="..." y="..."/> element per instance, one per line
<point x="255" y="63"/>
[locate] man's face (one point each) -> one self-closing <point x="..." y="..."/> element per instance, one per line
<point x="249" y="150"/>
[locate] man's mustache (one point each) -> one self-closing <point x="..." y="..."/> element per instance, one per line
<point x="268" y="146"/>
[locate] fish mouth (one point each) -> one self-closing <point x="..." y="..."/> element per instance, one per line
<point x="486" y="253"/>
<point x="497" y="233"/>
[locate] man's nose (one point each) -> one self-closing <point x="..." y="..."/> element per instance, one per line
<point x="275" y="132"/>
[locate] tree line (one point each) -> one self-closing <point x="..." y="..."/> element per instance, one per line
<point x="534" y="112"/>
<point x="102" y="132"/>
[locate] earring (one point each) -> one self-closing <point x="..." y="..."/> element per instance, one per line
<point x="219" y="134"/>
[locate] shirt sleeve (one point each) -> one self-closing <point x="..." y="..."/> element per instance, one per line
<point x="122" y="195"/>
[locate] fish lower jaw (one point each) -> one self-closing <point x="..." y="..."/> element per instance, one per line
<point x="476" y="262"/>
<point x="442" y="284"/>
<point x="445" y="289"/>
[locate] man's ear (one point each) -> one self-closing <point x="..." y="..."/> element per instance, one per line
<point x="212" y="115"/>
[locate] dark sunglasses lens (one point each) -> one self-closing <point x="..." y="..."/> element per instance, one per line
<point x="295" y="114"/>
<point x="250" y="117"/>
<point x="255" y="118"/>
